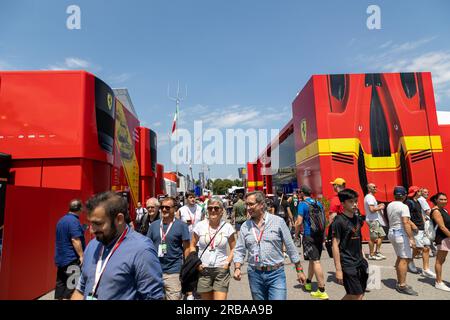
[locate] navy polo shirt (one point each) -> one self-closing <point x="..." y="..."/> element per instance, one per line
<point x="173" y="260"/>
<point x="133" y="272"/>
<point x="67" y="228"/>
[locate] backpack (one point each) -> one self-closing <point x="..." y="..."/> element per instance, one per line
<point x="316" y="218"/>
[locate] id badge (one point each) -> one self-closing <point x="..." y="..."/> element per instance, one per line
<point x="162" y="250"/>
<point x="212" y="257"/>
<point x="256" y="253"/>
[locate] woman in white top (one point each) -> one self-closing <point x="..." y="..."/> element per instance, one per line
<point x="214" y="276"/>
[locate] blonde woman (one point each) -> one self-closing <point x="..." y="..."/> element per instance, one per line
<point x="212" y="236"/>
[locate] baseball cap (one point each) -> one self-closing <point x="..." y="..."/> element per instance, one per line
<point x="400" y="191"/>
<point x="338" y="181"/>
<point x="412" y="191"/>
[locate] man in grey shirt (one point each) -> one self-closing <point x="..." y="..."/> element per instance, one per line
<point x="263" y="236"/>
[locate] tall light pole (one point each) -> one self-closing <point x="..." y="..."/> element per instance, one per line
<point x="177" y="100"/>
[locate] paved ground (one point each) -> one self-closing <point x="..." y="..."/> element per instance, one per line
<point x="386" y="283"/>
<point x="239" y="290"/>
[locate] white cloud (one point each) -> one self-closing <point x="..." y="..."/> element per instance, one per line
<point x="121" y="78"/>
<point x="238" y="116"/>
<point x="386" y="44"/>
<point x="156" y="124"/>
<point x="72" y="63"/>
<point x="405" y="57"/>
<point x="436" y="62"/>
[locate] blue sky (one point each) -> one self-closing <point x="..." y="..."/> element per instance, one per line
<point x="242" y="61"/>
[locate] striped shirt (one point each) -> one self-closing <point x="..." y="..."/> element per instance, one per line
<point x="270" y="249"/>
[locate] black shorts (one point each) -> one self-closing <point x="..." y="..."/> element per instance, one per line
<point x="312" y="248"/>
<point x="66" y="280"/>
<point x="355" y="280"/>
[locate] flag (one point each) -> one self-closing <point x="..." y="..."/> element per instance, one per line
<point x="175" y="118"/>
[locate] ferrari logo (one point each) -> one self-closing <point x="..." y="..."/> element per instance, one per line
<point x="303" y="130"/>
<point x="110" y="101"/>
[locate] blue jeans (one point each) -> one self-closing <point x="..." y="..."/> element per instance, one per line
<point x="267" y="285"/>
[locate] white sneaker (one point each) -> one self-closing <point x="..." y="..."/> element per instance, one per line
<point x="375" y="257"/>
<point x="412" y="267"/>
<point x="190" y="297"/>
<point x="441" y="286"/>
<point x="428" y="273"/>
<point x="380" y="255"/>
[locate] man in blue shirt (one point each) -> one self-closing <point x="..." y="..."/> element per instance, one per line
<point x="120" y="264"/>
<point x="311" y="215"/>
<point x="263" y="237"/>
<point x="69" y="251"/>
<point x="171" y="237"/>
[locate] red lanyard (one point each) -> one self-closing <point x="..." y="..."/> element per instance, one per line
<point x="259" y="237"/>
<point x="213" y="238"/>
<point x="100" y="269"/>
<point x="161" y="232"/>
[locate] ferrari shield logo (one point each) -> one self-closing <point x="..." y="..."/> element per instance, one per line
<point x="109" y="100"/>
<point x="303" y="130"/>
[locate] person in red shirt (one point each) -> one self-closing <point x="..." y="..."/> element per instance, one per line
<point x="335" y="204"/>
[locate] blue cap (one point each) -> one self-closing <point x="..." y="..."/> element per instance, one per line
<point x="400" y="191"/>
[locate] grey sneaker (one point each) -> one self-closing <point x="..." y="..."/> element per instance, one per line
<point x="406" y="290"/>
<point x="412" y="267"/>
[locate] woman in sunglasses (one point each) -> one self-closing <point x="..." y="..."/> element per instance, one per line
<point x="212" y="236"/>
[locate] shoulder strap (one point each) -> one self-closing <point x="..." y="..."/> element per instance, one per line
<point x="212" y="239"/>
<point x="347" y="222"/>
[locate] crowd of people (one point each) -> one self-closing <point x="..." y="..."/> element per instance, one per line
<point x="192" y="251"/>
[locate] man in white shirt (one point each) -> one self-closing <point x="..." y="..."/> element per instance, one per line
<point x="375" y="221"/>
<point x="402" y="238"/>
<point x="191" y="213"/>
<point x="426" y="211"/>
<point x="140" y="213"/>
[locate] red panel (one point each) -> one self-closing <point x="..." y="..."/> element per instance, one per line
<point x="144" y="156"/>
<point x="443" y="160"/>
<point x="62" y="174"/>
<point x="27" y="266"/>
<point x="26" y="173"/>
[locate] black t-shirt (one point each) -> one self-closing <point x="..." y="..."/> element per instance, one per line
<point x="416" y="213"/>
<point x="440" y="235"/>
<point x="348" y="231"/>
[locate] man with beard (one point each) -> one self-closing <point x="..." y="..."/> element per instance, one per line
<point x="120" y="264"/>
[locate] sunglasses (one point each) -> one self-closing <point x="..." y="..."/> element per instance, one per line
<point x="214" y="208"/>
<point x="166" y="207"/>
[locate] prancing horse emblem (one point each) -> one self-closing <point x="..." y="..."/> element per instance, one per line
<point x="303" y="130"/>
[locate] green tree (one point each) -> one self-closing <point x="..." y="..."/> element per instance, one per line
<point x="237" y="183"/>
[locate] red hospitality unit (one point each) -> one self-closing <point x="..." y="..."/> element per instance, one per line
<point x="63" y="135"/>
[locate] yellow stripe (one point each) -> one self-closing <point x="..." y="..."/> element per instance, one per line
<point x="350" y="146"/>
<point x="255" y="183"/>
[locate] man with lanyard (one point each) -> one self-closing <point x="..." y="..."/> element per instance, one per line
<point x="69" y="249"/>
<point x="264" y="235"/>
<point x="191" y="213"/>
<point x="120" y="264"/>
<point x="171" y="237"/>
